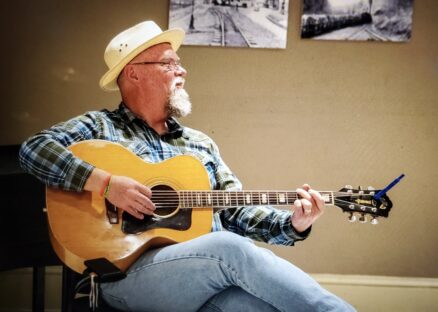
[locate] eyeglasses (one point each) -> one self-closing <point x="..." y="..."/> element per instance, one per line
<point x="169" y="66"/>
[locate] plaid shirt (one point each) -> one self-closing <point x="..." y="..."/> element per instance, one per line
<point x="45" y="156"/>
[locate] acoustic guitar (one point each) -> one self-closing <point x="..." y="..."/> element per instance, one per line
<point x="86" y="226"/>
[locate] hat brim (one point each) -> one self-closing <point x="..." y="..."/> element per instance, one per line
<point x="174" y="36"/>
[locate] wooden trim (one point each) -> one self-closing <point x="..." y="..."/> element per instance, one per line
<point x="375" y="280"/>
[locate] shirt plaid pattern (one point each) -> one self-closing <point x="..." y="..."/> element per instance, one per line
<point x="45" y="156"/>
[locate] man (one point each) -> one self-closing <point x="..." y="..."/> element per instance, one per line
<point x="220" y="271"/>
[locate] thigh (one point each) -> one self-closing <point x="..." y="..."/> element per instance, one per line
<point x="180" y="277"/>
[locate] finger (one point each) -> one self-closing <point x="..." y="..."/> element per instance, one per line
<point x="317" y="198"/>
<point x="306" y="187"/>
<point x="142" y="208"/>
<point x="298" y="206"/>
<point x="307" y="206"/>
<point x="144" y="201"/>
<point x="144" y="190"/>
<point x="134" y="212"/>
<point x="304" y="194"/>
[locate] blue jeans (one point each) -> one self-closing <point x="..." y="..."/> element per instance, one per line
<point x="217" y="272"/>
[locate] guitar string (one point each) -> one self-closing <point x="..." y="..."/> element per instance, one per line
<point x="200" y="197"/>
<point x="197" y="198"/>
<point x="245" y="193"/>
<point x="172" y="204"/>
<point x="272" y="200"/>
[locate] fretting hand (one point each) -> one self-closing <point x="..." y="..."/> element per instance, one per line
<point x="309" y="207"/>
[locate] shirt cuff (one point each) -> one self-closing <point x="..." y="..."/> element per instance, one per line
<point x="293" y="234"/>
<point x="78" y="172"/>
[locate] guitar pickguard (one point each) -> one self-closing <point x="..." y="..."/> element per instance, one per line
<point x="181" y="221"/>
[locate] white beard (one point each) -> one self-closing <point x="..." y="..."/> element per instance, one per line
<point x="179" y="101"/>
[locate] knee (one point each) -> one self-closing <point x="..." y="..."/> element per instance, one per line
<point x="227" y="243"/>
<point x="227" y="239"/>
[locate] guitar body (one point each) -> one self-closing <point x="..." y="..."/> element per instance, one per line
<point x="78" y="222"/>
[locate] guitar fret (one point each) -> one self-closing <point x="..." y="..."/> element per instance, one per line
<point x="273" y="198"/>
<point x="240" y="199"/>
<point x="181" y="199"/>
<point x="214" y="196"/>
<point x="256" y="198"/>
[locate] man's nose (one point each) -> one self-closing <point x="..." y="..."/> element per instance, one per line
<point x="181" y="71"/>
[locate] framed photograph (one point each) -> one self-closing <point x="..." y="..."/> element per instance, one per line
<point x="373" y="20"/>
<point x="232" y="23"/>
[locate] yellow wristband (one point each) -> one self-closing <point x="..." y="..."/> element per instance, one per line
<point x="107" y="188"/>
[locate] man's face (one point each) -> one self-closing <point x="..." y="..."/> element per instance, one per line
<point x="163" y="81"/>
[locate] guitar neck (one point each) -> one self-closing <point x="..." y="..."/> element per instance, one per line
<point x="226" y="199"/>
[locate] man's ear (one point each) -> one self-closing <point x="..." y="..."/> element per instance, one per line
<point x="130" y="73"/>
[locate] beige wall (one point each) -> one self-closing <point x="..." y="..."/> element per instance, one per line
<point x="327" y="113"/>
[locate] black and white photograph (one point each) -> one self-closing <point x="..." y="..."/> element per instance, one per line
<point x="232" y="23"/>
<point x="361" y="20"/>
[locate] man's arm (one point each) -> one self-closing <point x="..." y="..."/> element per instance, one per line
<point x="46" y="156"/>
<point x="266" y="223"/>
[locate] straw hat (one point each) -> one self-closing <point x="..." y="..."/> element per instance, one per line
<point x="131" y="42"/>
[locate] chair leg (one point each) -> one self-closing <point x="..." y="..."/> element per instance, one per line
<point x="38" y="281"/>
<point x="68" y="286"/>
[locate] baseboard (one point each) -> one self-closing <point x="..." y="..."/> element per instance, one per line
<point x="383" y="293"/>
<point x="375" y="280"/>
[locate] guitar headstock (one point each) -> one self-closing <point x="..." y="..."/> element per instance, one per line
<point x="363" y="202"/>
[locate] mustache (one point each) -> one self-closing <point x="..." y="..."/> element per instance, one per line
<point x="178" y="81"/>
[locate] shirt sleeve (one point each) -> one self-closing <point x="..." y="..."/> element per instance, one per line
<point x="261" y="223"/>
<point x="45" y="155"/>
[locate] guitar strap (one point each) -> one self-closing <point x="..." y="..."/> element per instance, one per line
<point x="100" y="270"/>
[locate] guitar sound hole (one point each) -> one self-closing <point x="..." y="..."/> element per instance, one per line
<point x="166" y="200"/>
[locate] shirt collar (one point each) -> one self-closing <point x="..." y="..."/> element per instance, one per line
<point x="175" y="128"/>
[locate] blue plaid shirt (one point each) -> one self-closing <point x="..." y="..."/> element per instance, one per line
<point x="45" y="156"/>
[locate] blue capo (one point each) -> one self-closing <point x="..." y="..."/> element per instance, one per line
<point x="390" y="186"/>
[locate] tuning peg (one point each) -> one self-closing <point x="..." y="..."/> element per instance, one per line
<point x="349" y="189"/>
<point x="371" y="190"/>
<point x="374" y="221"/>
<point x="362" y="218"/>
<point x="352" y="217"/>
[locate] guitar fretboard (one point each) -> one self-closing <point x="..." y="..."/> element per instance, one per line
<point x="193" y="199"/>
